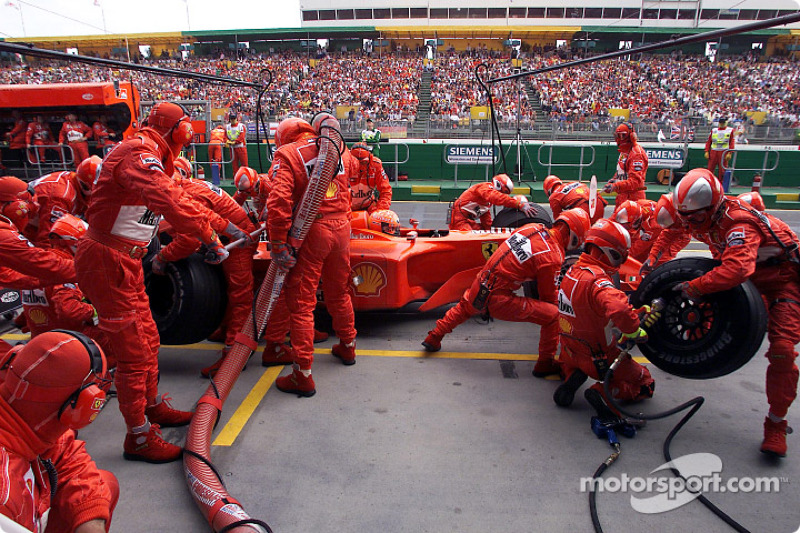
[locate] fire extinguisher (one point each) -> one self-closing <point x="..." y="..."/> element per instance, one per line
<point x="756" y="183"/>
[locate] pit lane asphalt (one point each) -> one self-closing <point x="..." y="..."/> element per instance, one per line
<point x="465" y="440"/>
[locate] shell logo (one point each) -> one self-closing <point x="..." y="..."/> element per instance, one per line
<point x="332" y="190"/>
<point x="372" y="279"/>
<point x="37" y="316"/>
<point x="564" y="325"/>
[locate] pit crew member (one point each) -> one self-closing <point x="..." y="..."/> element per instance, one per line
<point x="719" y="140"/>
<point x="236" y="138"/>
<point x="76" y="134"/>
<point x="369" y="186"/>
<point x="763" y="249"/>
<point x="471" y="210"/>
<point x="531" y="253"/>
<point x="132" y="192"/>
<point x="569" y="195"/>
<point x="628" y="181"/>
<point x="325" y="253"/>
<point x="48" y="480"/>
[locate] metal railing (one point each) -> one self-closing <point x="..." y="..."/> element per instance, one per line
<point x="197" y="162"/>
<point x="580" y="164"/>
<point x="34" y="154"/>
<point x="764" y="166"/>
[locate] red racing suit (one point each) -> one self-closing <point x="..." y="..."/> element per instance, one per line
<point x="56" y="195"/>
<point x="76" y="134"/>
<point x="631" y="173"/>
<point x="215" y="142"/>
<point x="25" y="266"/>
<point x="471" y="210"/>
<point x="39" y="135"/>
<point x="16" y="137"/>
<point x="260" y="198"/>
<point x="368" y="180"/>
<point x="102" y="135"/>
<point x="531" y="253"/>
<point x="84" y="491"/>
<point x="237" y="268"/>
<point x="748" y="250"/>
<point x="132" y="192"/>
<point x="575" y="194"/>
<point x="325" y="253"/>
<point x="669" y="242"/>
<point x="589" y="305"/>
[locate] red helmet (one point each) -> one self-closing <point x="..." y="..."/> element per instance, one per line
<point x="625" y="136"/>
<point x="172" y="122"/>
<point x="629" y="214"/>
<point x="754" y="199"/>
<point x="56" y="381"/>
<point x="293" y="129"/>
<point x="551" y="183"/>
<point x="67" y="231"/>
<point x="697" y="198"/>
<point x="87" y="172"/>
<point x="665" y="211"/>
<point x="183" y="167"/>
<point x="360" y="151"/>
<point x="17" y="201"/>
<point x="385" y="220"/>
<point x="246" y="180"/>
<point x="578" y="222"/>
<point x="611" y="239"/>
<point x="503" y="183"/>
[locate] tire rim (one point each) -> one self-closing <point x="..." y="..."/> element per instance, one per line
<point x="688" y="322"/>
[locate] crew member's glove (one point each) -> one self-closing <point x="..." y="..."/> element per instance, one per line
<point x="650" y="317"/>
<point x="283" y="256"/>
<point x="706" y="154"/>
<point x="610" y="186"/>
<point x="529" y="209"/>
<point x="95" y="320"/>
<point x="235" y="233"/>
<point x="215" y="253"/>
<point x="727" y="158"/>
<point x="629" y="340"/>
<point x="687" y="291"/>
<point x="159" y="266"/>
<point x="647" y="267"/>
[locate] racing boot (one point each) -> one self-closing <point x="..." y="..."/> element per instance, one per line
<point x="565" y="392"/>
<point x="320" y="336"/>
<point x="211" y="371"/>
<point x="596" y="400"/>
<point x="433" y="342"/>
<point x="297" y="383"/>
<point x="277" y="354"/>
<point x="146" y="444"/>
<point x="546" y="367"/>
<point x="345" y="352"/>
<point x="775" y="437"/>
<point x="161" y="413"/>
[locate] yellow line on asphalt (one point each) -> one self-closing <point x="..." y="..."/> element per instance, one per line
<point x="248" y="406"/>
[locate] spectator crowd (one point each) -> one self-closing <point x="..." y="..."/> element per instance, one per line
<point x="659" y="91"/>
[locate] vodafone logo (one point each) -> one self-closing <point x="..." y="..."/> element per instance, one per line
<point x="88" y="96"/>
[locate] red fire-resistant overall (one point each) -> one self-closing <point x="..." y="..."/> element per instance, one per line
<point x="471" y="209"/>
<point x="574" y="194"/>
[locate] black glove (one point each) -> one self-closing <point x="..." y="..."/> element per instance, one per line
<point x="215" y="253"/>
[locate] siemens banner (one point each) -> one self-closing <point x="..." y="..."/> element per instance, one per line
<point x="665" y="157"/>
<point x="460" y="154"/>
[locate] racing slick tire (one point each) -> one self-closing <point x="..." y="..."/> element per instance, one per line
<point x="188" y="302"/>
<point x="705" y="339"/>
<point x="509" y="217"/>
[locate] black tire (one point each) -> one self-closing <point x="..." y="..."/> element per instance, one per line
<point x="188" y="303"/>
<point x="514" y="218"/>
<point x="702" y="340"/>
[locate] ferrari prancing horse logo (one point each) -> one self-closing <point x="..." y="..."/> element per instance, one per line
<point x="488" y="248"/>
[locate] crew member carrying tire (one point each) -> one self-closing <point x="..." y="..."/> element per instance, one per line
<point x="325" y="253"/>
<point x="471" y="211"/>
<point x="588" y="304"/>
<point x="51" y="387"/>
<point x="569" y="195"/>
<point x="237" y="268"/>
<point x="533" y="252"/>
<point x="370" y="189"/>
<point x="762" y="248"/>
<point x="628" y="181"/>
<point x="134" y="189"/>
